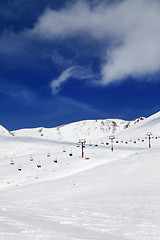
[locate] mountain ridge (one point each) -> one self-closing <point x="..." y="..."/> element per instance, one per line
<point x="88" y="129"/>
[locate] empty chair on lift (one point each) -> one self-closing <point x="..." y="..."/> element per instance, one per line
<point x="31" y="158"/>
<point x="48" y="154"/>
<point x="20" y="168"/>
<point x="11" y="163"/>
<point x="64" y="150"/>
<point x="39" y="165"/>
<point x="71" y="154"/>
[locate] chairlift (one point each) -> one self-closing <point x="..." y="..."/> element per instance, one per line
<point x="11" y="163"/>
<point x="90" y="144"/>
<point x="96" y="145"/>
<point x="39" y="165"/>
<point x="117" y="141"/>
<point x="55" y="160"/>
<point x="142" y="140"/>
<point x="71" y="154"/>
<point x="134" y="141"/>
<point x="20" y="169"/>
<point x="64" y="150"/>
<point x="126" y="142"/>
<point x="48" y="154"/>
<point x="31" y="158"/>
<point x="107" y="143"/>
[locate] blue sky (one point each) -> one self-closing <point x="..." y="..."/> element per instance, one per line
<point x="64" y="61"/>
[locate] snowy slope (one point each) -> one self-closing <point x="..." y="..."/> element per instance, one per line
<point x="105" y="195"/>
<point x="89" y="129"/>
<point x="150" y="124"/>
<point x="113" y="195"/>
<point x="4" y="131"/>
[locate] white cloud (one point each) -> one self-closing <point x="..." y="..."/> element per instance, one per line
<point x="75" y="71"/>
<point x="130" y="29"/>
<point x="83" y="106"/>
<point x="17" y="92"/>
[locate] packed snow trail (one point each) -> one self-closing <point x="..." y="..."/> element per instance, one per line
<point x="116" y="200"/>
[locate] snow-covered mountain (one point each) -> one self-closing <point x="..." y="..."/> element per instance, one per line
<point x="149" y="125"/>
<point x="89" y="129"/>
<point x="4" y="131"/>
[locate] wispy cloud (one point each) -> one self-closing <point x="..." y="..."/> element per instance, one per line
<point x="130" y="30"/>
<point x="71" y="72"/>
<point x="59" y="59"/>
<point x="83" y="107"/>
<point x="15" y="91"/>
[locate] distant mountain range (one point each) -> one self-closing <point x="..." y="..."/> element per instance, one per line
<point x="91" y="130"/>
<point x="88" y="129"/>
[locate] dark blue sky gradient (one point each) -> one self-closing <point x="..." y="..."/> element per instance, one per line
<point x="27" y="69"/>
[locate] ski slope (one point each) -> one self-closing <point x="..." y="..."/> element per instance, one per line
<point x="105" y="195"/>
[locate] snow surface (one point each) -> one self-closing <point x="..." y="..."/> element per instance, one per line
<point x="4" y="131"/>
<point x="89" y="129"/>
<point x="105" y="195"/>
